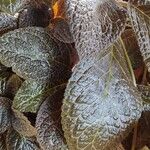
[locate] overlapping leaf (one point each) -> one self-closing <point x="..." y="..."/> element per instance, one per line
<point x="5" y="114"/>
<point x="145" y="91"/>
<point x="33" y="54"/>
<point x="7" y="22"/>
<point x="15" y="141"/>
<point x="48" y="123"/>
<point x="101" y="102"/>
<point x="132" y="48"/>
<point x="22" y="125"/>
<point x="140" y="18"/>
<point x="12" y="86"/>
<point x="30" y="96"/>
<point x="94" y="24"/>
<point x="60" y="30"/>
<point x="20" y="5"/>
<point x="38" y="15"/>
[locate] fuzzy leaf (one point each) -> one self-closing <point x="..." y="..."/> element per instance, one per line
<point x="33" y="54"/>
<point x="101" y="103"/>
<point x="7" y="22"/>
<point x="48" y="123"/>
<point x="18" y="142"/>
<point x="20" y="5"/>
<point x="140" y="18"/>
<point x="94" y="24"/>
<point x="30" y="96"/>
<point x="38" y="16"/>
<point x="22" y="125"/>
<point x="60" y="30"/>
<point x="5" y="114"/>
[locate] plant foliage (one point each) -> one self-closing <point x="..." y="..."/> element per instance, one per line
<point x="74" y="74"/>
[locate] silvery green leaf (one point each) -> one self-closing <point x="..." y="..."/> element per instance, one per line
<point x="101" y="102"/>
<point x="140" y="18"/>
<point x="34" y="54"/>
<point x="94" y="24"/>
<point x="48" y="122"/>
<point x="7" y="22"/>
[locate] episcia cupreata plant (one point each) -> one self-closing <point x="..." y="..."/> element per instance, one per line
<point x="67" y="73"/>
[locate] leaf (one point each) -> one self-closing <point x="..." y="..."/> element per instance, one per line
<point x="60" y="30"/>
<point x="132" y="47"/>
<point x="7" y="6"/>
<point x="5" y="114"/>
<point x="2" y="69"/>
<point x="2" y="142"/>
<point x="7" y="22"/>
<point x="48" y="123"/>
<point x="33" y="54"/>
<point x="3" y="81"/>
<point x="94" y="24"/>
<point x="143" y="134"/>
<point x="140" y="18"/>
<point x="101" y="103"/>
<point x="9" y="83"/>
<point x="20" y="5"/>
<point x="38" y="16"/>
<point x="12" y="86"/>
<point x="30" y="96"/>
<point x="22" y="125"/>
<point x="145" y="94"/>
<point x="18" y="142"/>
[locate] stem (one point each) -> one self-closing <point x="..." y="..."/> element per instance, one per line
<point x="129" y="63"/>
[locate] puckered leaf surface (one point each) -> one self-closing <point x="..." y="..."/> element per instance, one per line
<point x="145" y="91"/>
<point x="5" y="114"/>
<point x="101" y="102"/>
<point x="22" y="125"/>
<point x="139" y="12"/>
<point x="7" y="22"/>
<point x="38" y="15"/>
<point x="30" y="96"/>
<point x="48" y="123"/>
<point x="94" y="24"/>
<point x="33" y="54"/>
<point x="15" y="141"/>
<point x="20" y="5"/>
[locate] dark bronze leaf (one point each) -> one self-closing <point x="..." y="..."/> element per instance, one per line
<point x="22" y="125"/>
<point x="94" y="24"/>
<point x="48" y="123"/>
<point x="140" y="18"/>
<point x="15" y="141"/>
<point x="60" y="30"/>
